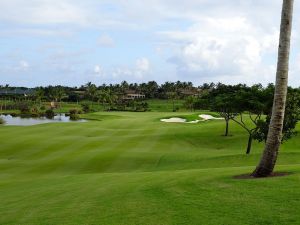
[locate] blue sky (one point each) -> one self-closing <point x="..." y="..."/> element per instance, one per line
<point x="72" y="42"/>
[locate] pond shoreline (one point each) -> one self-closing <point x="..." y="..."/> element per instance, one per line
<point x="27" y="120"/>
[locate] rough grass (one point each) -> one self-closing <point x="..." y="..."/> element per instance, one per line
<point x="129" y="168"/>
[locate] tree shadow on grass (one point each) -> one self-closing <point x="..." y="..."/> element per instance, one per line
<point x="250" y="176"/>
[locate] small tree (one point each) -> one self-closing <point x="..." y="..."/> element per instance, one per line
<point x="225" y="106"/>
<point x="190" y="102"/>
<point x="173" y="96"/>
<point x="252" y="102"/>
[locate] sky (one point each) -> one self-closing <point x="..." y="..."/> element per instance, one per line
<point x="72" y="42"/>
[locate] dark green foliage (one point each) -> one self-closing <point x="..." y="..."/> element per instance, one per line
<point x="74" y="117"/>
<point x="85" y="107"/>
<point x="142" y="106"/>
<point x="292" y="113"/>
<point x="24" y="108"/>
<point x="49" y="113"/>
<point x="190" y="103"/>
<point x="74" y="114"/>
<point x="74" y="111"/>
<point x="2" y="121"/>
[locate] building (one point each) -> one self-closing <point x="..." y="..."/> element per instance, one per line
<point x="16" y="91"/>
<point x="133" y="95"/>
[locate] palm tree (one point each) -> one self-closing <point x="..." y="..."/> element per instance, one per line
<point x="91" y="91"/>
<point x="102" y="96"/>
<point x="269" y="158"/>
<point x="39" y="95"/>
<point x="172" y="95"/>
<point x="60" y="94"/>
<point x="111" y="98"/>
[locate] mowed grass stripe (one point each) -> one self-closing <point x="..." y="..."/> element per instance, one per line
<point x="137" y="170"/>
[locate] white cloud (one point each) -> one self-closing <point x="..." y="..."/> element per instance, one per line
<point x="106" y="41"/>
<point x="142" y="65"/>
<point x="223" y="47"/>
<point x="42" y="12"/>
<point x="98" y="70"/>
<point x="23" y="65"/>
<point x="135" y="72"/>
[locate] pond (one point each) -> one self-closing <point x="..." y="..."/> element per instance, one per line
<point x="18" y="121"/>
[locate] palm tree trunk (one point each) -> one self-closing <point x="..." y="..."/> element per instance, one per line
<point x="269" y="158"/>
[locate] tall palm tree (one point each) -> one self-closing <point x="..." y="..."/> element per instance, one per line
<point x="91" y="91"/>
<point x="269" y="158"/>
<point x="39" y="95"/>
<point x="60" y="94"/>
<point x="102" y="96"/>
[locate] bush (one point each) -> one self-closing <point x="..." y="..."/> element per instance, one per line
<point x="2" y="121"/>
<point x="74" y="117"/>
<point x="14" y="114"/>
<point x="43" y="108"/>
<point x="85" y="108"/>
<point x="24" y="108"/>
<point x="49" y="114"/>
<point x="35" y="112"/>
<point x="73" y="113"/>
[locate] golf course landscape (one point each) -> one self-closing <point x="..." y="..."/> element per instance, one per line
<point x="130" y="168"/>
<point x="149" y="112"/>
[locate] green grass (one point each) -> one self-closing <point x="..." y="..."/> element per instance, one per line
<point x="129" y="168"/>
<point x="155" y="105"/>
<point x="160" y="105"/>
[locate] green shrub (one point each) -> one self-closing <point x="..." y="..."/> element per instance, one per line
<point x="85" y="108"/>
<point x="2" y="121"/>
<point x="49" y="114"/>
<point x="35" y="112"/>
<point x="73" y="113"/>
<point x="74" y="117"/>
<point x="24" y="108"/>
<point x="14" y="114"/>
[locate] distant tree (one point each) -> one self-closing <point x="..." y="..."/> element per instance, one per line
<point x="172" y="96"/>
<point x="103" y="97"/>
<point x="111" y="99"/>
<point x="91" y="91"/>
<point x="253" y="102"/>
<point x="226" y="107"/>
<point x="39" y="95"/>
<point x="60" y="94"/>
<point x="190" y="103"/>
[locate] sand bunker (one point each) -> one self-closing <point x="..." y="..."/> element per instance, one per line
<point x="181" y="120"/>
<point x="209" y="117"/>
<point x="174" y="120"/>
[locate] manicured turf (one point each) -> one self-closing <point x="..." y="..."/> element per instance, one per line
<point x="129" y="168"/>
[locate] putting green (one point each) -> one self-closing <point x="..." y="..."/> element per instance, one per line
<point x="130" y="168"/>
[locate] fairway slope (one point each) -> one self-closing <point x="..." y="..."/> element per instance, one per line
<point x="129" y="168"/>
